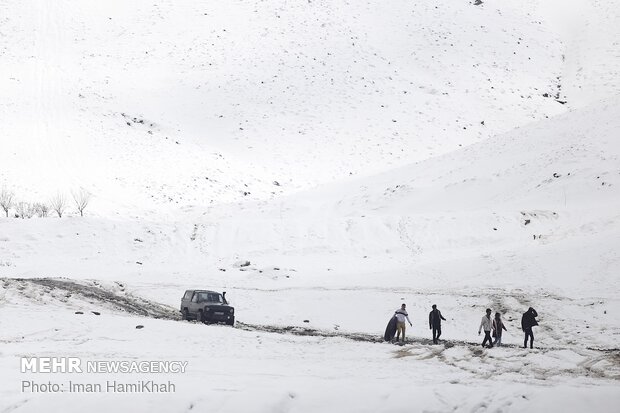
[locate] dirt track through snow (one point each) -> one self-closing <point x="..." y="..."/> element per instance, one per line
<point x="113" y="297"/>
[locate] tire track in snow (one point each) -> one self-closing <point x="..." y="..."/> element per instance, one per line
<point x="113" y="296"/>
<point x="372" y="338"/>
<point x="92" y="292"/>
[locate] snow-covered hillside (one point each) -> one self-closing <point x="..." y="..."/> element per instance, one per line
<point x="358" y="155"/>
<point x="178" y="104"/>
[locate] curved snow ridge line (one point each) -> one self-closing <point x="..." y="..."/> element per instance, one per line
<point x="370" y="338"/>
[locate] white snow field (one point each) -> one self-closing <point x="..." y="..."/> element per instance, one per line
<point x="359" y="155"/>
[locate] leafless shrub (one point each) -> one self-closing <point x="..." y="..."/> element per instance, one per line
<point x="6" y="200"/>
<point x="42" y="210"/>
<point x="59" y="204"/>
<point x="24" y="210"/>
<point x="81" y="197"/>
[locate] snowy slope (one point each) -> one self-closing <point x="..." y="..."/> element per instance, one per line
<point x="539" y="186"/>
<point x="235" y="370"/>
<point x="359" y="156"/>
<point x="488" y="218"/>
<point x="145" y="103"/>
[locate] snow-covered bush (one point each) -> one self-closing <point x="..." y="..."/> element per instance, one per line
<point x="42" y="210"/>
<point x="24" y="210"/>
<point x="59" y="204"/>
<point x="6" y="200"/>
<point x="81" y="198"/>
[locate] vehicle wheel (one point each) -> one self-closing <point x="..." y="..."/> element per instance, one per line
<point x="231" y="322"/>
<point x="184" y="314"/>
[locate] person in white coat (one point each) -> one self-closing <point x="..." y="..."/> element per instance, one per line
<point x="487" y="324"/>
<point x="401" y="315"/>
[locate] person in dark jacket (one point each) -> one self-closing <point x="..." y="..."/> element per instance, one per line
<point x="434" y="323"/>
<point x="527" y="322"/>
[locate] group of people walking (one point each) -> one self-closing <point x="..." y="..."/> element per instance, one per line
<point x="492" y="327"/>
<point x="497" y="325"/>
<point x="528" y="320"/>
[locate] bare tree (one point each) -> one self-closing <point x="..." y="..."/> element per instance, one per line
<point x="81" y="198"/>
<point x="24" y="210"/>
<point x="6" y="200"/>
<point x="20" y="210"/>
<point x="59" y="204"/>
<point x="41" y="209"/>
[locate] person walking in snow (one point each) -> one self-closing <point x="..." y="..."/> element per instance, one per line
<point x="498" y="326"/>
<point x="486" y="324"/>
<point x="401" y="315"/>
<point x="434" y="323"/>
<point x="527" y="322"/>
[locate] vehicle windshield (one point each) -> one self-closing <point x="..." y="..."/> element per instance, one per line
<point x="210" y="297"/>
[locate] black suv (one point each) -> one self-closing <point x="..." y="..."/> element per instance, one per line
<point x="207" y="306"/>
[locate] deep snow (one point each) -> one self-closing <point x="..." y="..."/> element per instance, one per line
<point x="341" y="149"/>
